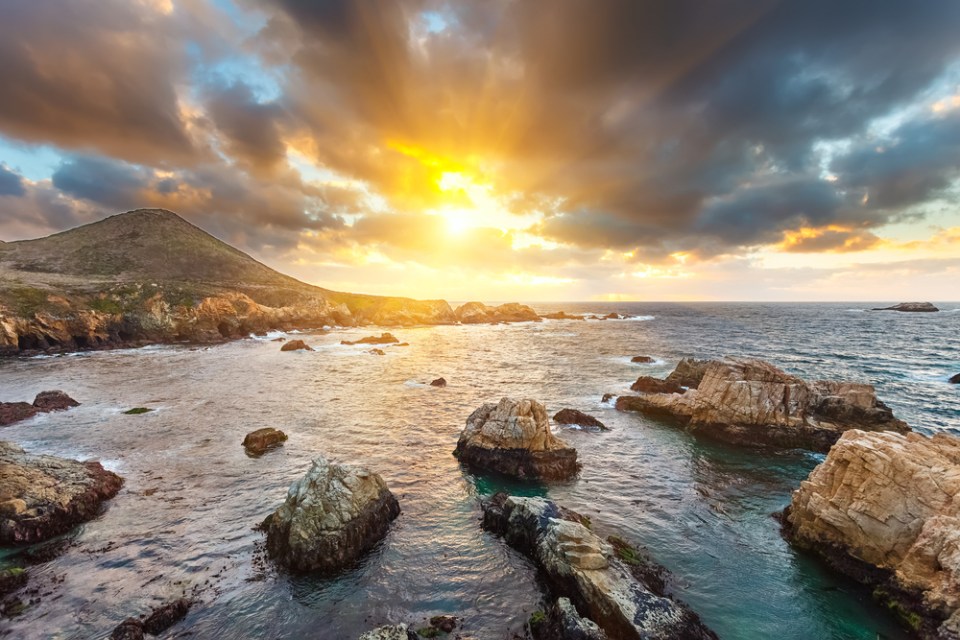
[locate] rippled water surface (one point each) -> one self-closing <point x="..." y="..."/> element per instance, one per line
<point x="703" y="510"/>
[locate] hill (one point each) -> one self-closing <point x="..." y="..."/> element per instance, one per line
<point x="149" y="275"/>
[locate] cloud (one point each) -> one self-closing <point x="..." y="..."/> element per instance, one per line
<point x="11" y="183"/>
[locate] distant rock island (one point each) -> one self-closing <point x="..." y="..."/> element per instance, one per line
<point x="913" y="307"/>
<point x="149" y="276"/>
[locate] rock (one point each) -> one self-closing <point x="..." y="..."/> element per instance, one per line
<point x="607" y="397"/>
<point x="137" y="411"/>
<point x="613" y="316"/>
<point x="446" y="624"/>
<point x="955" y="379"/>
<point x="642" y="359"/>
<point x="572" y="416"/>
<point x="260" y="441"/>
<point x="129" y="629"/>
<point x="44" y="496"/>
<point x="279" y="340"/>
<point x="11" y="412"/>
<point x="753" y="403"/>
<point x="377" y="352"/>
<point x="54" y="401"/>
<point x="579" y="565"/>
<point x="514" y="438"/>
<point x="563" y="315"/>
<point x="689" y="372"/>
<point x="562" y="622"/>
<point x="383" y="338"/>
<point x="479" y="313"/>
<point x="333" y="515"/>
<point x="884" y="508"/>
<point x="390" y="632"/>
<point x="159" y="620"/>
<point x="648" y="384"/>
<point x="439" y="382"/>
<point x="296" y="345"/>
<point x="921" y="307"/>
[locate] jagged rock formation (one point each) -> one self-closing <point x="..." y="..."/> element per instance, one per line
<point x="332" y="515"/>
<point x="884" y="508"/>
<point x="44" y="496"/>
<point x="751" y="402"/>
<point x="262" y="440"/>
<point x="688" y="372"/>
<point x="605" y="585"/>
<point x="479" y="313"/>
<point x="514" y="438"/>
<point x="149" y="276"/>
<point x="914" y="307"/>
<point x="579" y="418"/>
<point x="11" y="412"/>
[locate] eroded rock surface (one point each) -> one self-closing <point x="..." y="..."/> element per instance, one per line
<point x="598" y="581"/>
<point x="513" y="437"/>
<point x="479" y="313"/>
<point x="751" y="402"/>
<point x="262" y="440"/>
<point x="44" y="496"/>
<point x="332" y="515"/>
<point x="885" y="509"/>
<point x="561" y="621"/>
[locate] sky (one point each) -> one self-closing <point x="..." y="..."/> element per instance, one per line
<point x="506" y="149"/>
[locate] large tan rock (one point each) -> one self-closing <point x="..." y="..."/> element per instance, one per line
<point x="513" y="437"/>
<point x="885" y="508"/>
<point x="331" y="516"/>
<point x="479" y="313"/>
<point x="752" y="402"/>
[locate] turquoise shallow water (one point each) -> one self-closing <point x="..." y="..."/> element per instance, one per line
<point x="703" y="510"/>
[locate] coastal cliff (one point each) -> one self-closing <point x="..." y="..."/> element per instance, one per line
<point x="149" y="276"/>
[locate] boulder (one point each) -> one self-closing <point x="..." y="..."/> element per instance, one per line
<point x="479" y="313"/>
<point x="642" y="359"/>
<point x="262" y="440"/>
<point x="377" y="352"/>
<point x="332" y="516"/>
<point x="390" y="632"/>
<point x="44" y="496"/>
<point x="604" y="584"/>
<point x="955" y="379"/>
<point x="884" y="508"/>
<point x="383" y="338"/>
<point x="514" y="438"/>
<point x="579" y="418"/>
<point x="159" y="620"/>
<point x="54" y="401"/>
<point x="11" y="412"/>
<point x="911" y="307"/>
<point x="648" y="384"/>
<point x="751" y="402"/>
<point x="439" y="382"/>
<point x="296" y="345"/>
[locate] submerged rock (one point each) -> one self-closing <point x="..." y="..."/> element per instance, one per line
<point x="751" y="402"/>
<point x="563" y="315"/>
<point x="383" y="338"/>
<point x="922" y="307"/>
<point x="439" y="382"/>
<point x="599" y="580"/>
<point x="332" y="515"/>
<point x="579" y="418"/>
<point x="11" y="412"/>
<point x="479" y="313"/>
<point x="159" y="620"/>
<point x="44" y="496"/>
<point x="884" y="508"/>
<point x="514" y="438"/>
<point x="642" y="359"/>
<point x="390" y="632"/>
<point x="260" y="441"/>
<point x="296" y="345"/>
<point x="377" y="352"/>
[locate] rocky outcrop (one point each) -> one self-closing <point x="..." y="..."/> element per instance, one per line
<point x="383" y="338"/>
<point x="604" y="585"/>
<point x="649" y="384"/>
<point x="44" y="496"/>
<point x="561" y="621"/>
<point x="439" y="382"/>
<point x="296" y="345"/>
<point x="563" y="315"/>
<point x="401" y="312"/>
<point x="579" y="418"/>
<point x="911" y="307"/>
<point x="751" y="402"/>
<point x="11" y="412"/>
<point x="479" y="313"/>
<point x="955" y="379"/>
<point x="262" y="440"/>
<point x="641" y="359"/>
<point x="332" y="515"/>
<point x="159" y="620"/>
<point x="514" y="438"/>
<point x="390" y="632"/>
<point x="689" y="372"/>
<point x="884" y="508"/>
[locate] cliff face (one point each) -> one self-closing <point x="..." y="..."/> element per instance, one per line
<point x="150" y="276"/>
<point x="885" y="509"/>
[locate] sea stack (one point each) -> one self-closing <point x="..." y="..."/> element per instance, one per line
<point x="331" y="517"/>
<point x="884" y="508"/>
<point x="910" y="307"/>
<point x="751" y="402"/>
<point x="513" y="437"/>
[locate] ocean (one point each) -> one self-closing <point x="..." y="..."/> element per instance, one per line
<point x="185" y="518"/>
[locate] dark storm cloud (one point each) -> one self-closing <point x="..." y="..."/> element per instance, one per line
<point x="100" y="180"/>
<point x="249" y="128"/>
<point x="11" y="183"/>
